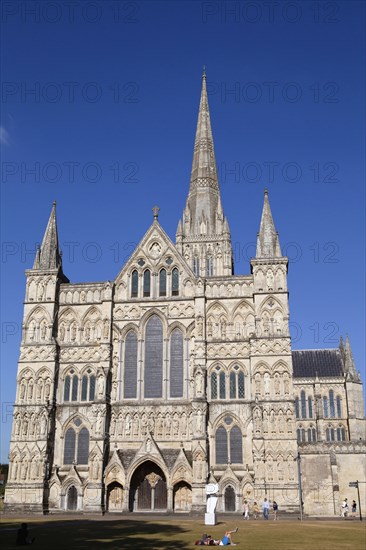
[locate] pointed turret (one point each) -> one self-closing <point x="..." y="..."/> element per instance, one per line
<point x="268" y="244"/>
<point x="49" y="256"/>
<point x="204" y="234"/>
<point x="349" y="363"/>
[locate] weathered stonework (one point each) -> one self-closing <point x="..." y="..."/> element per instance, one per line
<point x="133" y="393"/>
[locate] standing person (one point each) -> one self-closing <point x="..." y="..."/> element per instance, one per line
<point x="354" y="508"/>
<point x="255" y="510"/>
<point x="344" y="508"/>
<point x="265" y="508"/>
<point x="275" y="510"/>
<point x="246" y="510"/>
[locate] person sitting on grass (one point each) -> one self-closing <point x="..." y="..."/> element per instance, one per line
<point x="23" y="538"/>
<point x="227" y="538"/>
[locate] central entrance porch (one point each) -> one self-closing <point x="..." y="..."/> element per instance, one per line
<point x="148" y="489"/>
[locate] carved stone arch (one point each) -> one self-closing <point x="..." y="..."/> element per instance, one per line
<point x="85" y="423"/>
<point x="190" y="330"/>
<point x="26" y="373"/>
<point x="116" y="333"/>
<point x="83" y="370"/>
<point x="176" y="325"/>
<point x="261" y="368"/>
<point x="150" y="313"/>
<point x="266" y="304"/>
<point x="43" y="372"/>
<point x="181" y="472"/>
<point x="240" y="364"/>
<point x="220" y="421"/>
<point x="242" y="311"/>
<point x="281" y="367"/>
<point x="199" y="451"/>
<point x="217" y="309"/>
<point x="66" y="371"/>
<point x="147" y="458"/>
<point x="69" y="481"/>
<point x="68" y="315"/>
<point x="217" y="363"/>
<point x="38" y="313"/>
<point x="93" y="314"/>
<point x="127" y="328"/>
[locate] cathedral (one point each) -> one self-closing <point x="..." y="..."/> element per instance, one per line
<point x="133" y="394"/>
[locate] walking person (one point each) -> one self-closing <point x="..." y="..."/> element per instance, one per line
<point x="344" y="508"/>
<point x="265" y="508"/>
<point x="255" y="510"/>
<point x="246" y="510"/>
<point x="275" y="510"/>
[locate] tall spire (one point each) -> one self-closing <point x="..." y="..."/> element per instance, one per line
<point x="268" y="244"/>
<point x="204" y="174"/>
<point x="49" y="256"/>
<point x="203" y="234"/>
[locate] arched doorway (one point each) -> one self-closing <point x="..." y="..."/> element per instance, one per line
<point x="229" y="499"/>
<point x="114" y="497"/>
<point x="182" y="497"/>
<point x="148" y="488"/>
<point x="72" y="498"/>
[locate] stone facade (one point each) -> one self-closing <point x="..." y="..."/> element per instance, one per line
<point x="133" y="393"/>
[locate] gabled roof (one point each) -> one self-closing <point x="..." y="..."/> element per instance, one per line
<point x="323" y="363"/>
<point x="155" y="234"/>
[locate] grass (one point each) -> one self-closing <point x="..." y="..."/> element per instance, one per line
<point x="147" y="533"/>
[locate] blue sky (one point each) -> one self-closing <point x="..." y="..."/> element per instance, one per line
<point x="99" y="110"/>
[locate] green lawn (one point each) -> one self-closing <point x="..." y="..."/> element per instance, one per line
<point x="129" y="532"/>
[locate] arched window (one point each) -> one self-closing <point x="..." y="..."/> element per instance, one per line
<point x="311" y="434"/>
<point x="153" y="379"/>
<point x="74" y="390"/>
<point x="297" y="407"/>
<point x="310" y="407"/>
<point x="196" y="266"/>
<point x="162" y="282"/>
<point x="213" y="385"/>
<point x="303" y="404"/>
<point x="232" y="385"/>
<point x="329" y="434"/>
<point x="221" y="446"/>
<point x="300" y="434"/>
<point x="83" y="446"/>
<point x="134" y="284"/>
<point x="175" y="282"/>
<point x="176" y="364"/>
<point x="341" y="433"/>
<point x="92" y="388"/>
<point x="241" y="385"/>
<point x="222" y="385"/>
<point x="236" y="383"/>
<point x="69" y="448"/>
<point x="84" y="388"/>
<point x="339" y="406"/>
<point x="146" y="283"/>
<point x="88" y="386"/>
<point x="331" y="404"/>
<point x="130" y="366"/>
<point x="209" y="267"/>
<point x="67" y="388"/>
<point x="325" y="407"/>
<point x="76" y="446"/>
<point x="236" y="447"/>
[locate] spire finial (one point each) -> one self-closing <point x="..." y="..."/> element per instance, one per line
<point x="266" y="192"/>
<point x="155" y="210"/>
<point x="204" y="71"/>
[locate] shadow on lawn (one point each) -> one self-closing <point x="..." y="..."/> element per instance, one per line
<point x="121" y="534"/>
